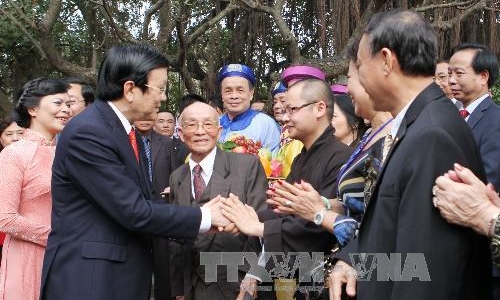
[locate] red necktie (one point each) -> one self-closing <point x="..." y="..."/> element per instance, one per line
<point x="133" y="143"/>
<point x="464" y="113"/>
<point x="198" y="182"/>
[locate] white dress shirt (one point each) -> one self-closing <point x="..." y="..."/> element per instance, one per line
<point x="206" y="216"/>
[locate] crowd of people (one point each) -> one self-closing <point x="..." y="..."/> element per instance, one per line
<point x="108" y="196"/>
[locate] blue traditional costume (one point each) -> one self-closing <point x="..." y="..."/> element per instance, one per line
<point x="251" y="124"/>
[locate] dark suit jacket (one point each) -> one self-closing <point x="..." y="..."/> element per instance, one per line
<point x="401" y="219"/>
<point x="485" y="124"/>
<point x="240" y="174"/>
<point x="162" y="165"/>
<point x="161" y="149"/>
<point x="102" y="217"/>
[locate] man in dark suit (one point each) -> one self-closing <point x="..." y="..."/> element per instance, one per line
<point x="473" y="71"/>
<point x="222" y="173"/>
<point x="103" y="213"/>
<point x="158" y="150"/>
<point x="418" y="255"/>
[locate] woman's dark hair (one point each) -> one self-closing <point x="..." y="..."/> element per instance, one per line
<point x="127" y="63"/>
<point x="357" y="124"/>
<point x="4" y="123"/>
<point x="30" y="95"/>
<point x="87" y="89"/>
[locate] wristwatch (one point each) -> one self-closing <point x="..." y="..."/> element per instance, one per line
<point x="319" y="216"/>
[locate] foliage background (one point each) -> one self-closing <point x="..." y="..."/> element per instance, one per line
<point x="70" y="37"/>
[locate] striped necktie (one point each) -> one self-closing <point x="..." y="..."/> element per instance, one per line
<point x="147" y="149"/>
<point x="198" y="182"/>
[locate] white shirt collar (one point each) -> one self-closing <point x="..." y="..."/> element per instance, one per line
<point x="396" y="123"/>
<point x="471" y="107"/>
<point x="121" y="116"/>
<point x="207" y="164"/>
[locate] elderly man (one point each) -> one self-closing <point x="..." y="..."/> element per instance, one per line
<point x="412" y="253"/>
<point x="209" y="173"/>
<point x="103" y="216"/>
<point x="236" y="84"/>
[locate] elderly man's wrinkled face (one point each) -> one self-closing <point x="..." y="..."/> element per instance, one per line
<point x="199" y="129"/>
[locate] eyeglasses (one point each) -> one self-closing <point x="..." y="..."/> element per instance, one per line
<point x="161" y="90"/>
<point x="441" y="78"/>
<point x="291" y="110"/>
<point x="73" y="102"/>
<point x="208" y="126"/>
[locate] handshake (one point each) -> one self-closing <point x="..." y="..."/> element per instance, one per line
<point x="233" y="216"/>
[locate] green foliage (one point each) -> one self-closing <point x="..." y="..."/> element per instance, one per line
<point x="495" y="91"/>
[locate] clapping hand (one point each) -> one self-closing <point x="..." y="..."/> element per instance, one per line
<point x="299" y="199"/>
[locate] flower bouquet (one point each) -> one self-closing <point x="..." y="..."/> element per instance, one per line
<point x="273" y="166"/>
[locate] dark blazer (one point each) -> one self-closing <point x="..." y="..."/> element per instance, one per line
<point x="162" y="165"/>
<point x="485" y="124"/>
<point x="161" y="149"/>
<point x="401" y="219"/>
<point x="179" y="153"/>
<point x="102" y="217"/>
<point x="240" y="174"/>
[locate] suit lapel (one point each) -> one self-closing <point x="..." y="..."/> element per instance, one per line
<point x="120" y="137"/>
<point x="478" y="113"/>
<point x="184" y="194"/>
<point x="219" y="183"/>
<point x="155" y="146"/>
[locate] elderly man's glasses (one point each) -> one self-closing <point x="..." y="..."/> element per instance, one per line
<point x="161" y="90"/>
<point x="190" y="127"/>
<point x="291" y="110"/>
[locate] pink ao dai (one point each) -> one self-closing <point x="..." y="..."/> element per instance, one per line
<point x="25" y="206"/>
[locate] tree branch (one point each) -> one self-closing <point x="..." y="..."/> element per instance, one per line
<point x="22" y="15"/>
<point x="123" y="35"/>
<point x="444" y="5"/>
<point x="18" y="24"/>
<point x="211" y="22"/>
<point x="446" y="25"/>
<point x="47" y="24"/>
<point x="147" y="17"/>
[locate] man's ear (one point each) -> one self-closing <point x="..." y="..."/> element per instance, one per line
<point x="128" y="90"/>
<point x="485" y="76"/>
<point x="181" y="134"/>
<point x="387" y="60"/>
<point x="219" y="132"/>
<point x="321" y="108"/>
